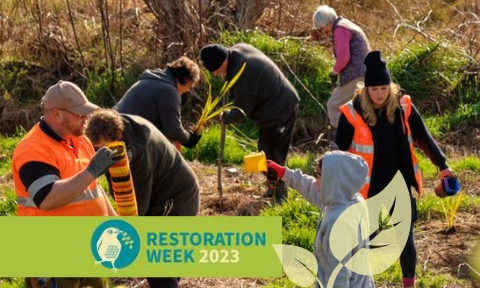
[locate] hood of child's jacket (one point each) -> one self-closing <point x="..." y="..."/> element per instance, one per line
<point x="343" y="175"/>
<point x="160" y="75"/>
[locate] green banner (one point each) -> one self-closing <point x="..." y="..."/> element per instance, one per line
<point x="140" y="246"/>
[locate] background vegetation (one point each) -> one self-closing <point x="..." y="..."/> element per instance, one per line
<point x="432" y="48"/>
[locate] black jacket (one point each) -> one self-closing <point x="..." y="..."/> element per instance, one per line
<point x="421" y="138"/>
<point x="262" y="91"/>
<point x="159" y="172"/>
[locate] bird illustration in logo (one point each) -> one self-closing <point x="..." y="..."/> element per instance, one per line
<point x="109" y="247"/>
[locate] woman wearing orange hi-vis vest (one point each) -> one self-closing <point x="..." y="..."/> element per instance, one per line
<point x="382" y="125"/>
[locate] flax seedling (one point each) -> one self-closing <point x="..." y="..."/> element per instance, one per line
<point x="450" y="208"/>
<point x="210" y="110"/>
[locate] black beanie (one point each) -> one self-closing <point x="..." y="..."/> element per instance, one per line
<point x="213" y="56"/>
<point x="377" y="73"/>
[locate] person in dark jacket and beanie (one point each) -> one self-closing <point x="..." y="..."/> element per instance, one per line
<point x="156" y="97"/>
<point x="382" y="125"/>
<point x="165" y="184"/>
<point x="350" y="46"/>
<point x="263" y="94"/>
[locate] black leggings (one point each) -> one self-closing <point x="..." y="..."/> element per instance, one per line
<point x="408" y="258"/>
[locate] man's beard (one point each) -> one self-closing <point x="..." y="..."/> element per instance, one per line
<point x="75" y="131"/>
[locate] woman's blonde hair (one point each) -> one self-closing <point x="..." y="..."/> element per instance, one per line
<point x="391" y="104"/>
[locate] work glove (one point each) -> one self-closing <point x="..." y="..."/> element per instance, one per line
<point x="101" y="161"/>
<point x="333" y="78"/>
<point x="194" y="138"/>
<point x="276" y="168"/>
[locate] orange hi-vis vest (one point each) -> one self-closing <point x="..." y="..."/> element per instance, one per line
<point x="40" y="147"/>
<point x="362" y="142"/>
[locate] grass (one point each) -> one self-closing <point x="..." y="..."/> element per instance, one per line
<point x="429" y="206"/>
<point x="7" y="145"/>
<point x="12" y="282"/>
<point x="438" y="125"/>
<point x="306" y="162"/>
<point x="8" y="204"/>
<point x="427" y="70"/>
<point x="207" y="150"/>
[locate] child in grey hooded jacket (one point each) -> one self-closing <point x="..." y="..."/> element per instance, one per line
<point x="340" y="175"/>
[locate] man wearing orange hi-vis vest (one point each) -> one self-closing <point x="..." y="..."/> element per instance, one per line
<point x="55" y="166"/>
<point x="382" y="125"/>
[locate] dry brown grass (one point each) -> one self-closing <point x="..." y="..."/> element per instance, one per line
<point x="44" y="33"/>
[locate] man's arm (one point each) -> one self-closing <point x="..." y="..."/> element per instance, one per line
<point x="49" y="192"/>
<point x="67" y="190"/>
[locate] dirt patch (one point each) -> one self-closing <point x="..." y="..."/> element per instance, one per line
<point x="447" y="252"/>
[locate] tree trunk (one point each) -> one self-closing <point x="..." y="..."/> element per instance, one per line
<point x="184" y="25"/>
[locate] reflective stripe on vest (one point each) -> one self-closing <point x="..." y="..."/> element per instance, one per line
<point x="406" y="103"/>
<point x="40" y="183"/>
<point x="367" y="149"/>
<point x="362" y="144"/>
<point x="88" y="194"/>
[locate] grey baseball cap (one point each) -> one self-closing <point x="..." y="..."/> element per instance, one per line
<point x="67" y="96"/>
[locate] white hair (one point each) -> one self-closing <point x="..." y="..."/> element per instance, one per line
<point x="323" y="16"/>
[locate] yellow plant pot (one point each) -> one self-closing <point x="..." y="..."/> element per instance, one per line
<point x="256" y="162"/>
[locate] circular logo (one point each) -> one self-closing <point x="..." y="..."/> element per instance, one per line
<point x="115" y="244"/>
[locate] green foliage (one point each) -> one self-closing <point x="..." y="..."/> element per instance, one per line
<point x="99" y="86"/>
<point x="425" y="278"/>
<point x="7" y="145"/>
<point x="12" y="282"/>
<point x="299" y="220"/>
<point x="428" y="70"/>
<point x="25" y="82"/>
<point x="429" y="206"/>
<point x="438" y="125"/>
<point x="469" y="163"/>
<point x="299" y="236"/>
<point x="392" y="275"/>
<point x="428" y="170"/>
<point x="8" y="204"/>
<point x="305" y="162"/>
<point x="207" y="150"/>
<point x="311" y="63"/>
<point x="210" y="111"/>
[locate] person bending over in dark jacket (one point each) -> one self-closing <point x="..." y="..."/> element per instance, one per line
<point x="165" y="184"/>
<point x="156" y="97"/>
<point x="263" y="94"/>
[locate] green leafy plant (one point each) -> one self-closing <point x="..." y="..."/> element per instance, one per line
<point x="210" y="110"/>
